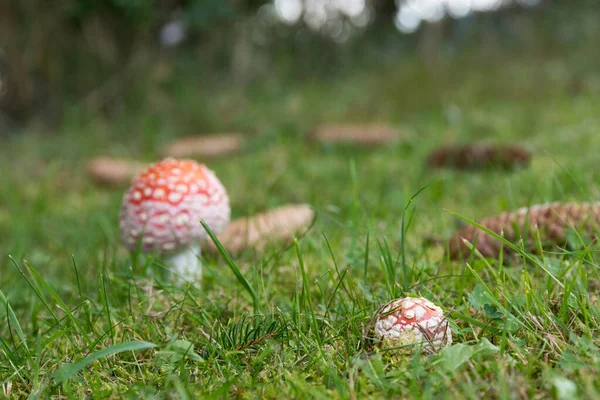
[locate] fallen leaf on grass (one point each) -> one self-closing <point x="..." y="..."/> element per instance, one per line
<point x="453" y="357"/>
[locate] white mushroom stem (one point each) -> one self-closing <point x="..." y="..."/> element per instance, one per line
<point x="185" y="264"/>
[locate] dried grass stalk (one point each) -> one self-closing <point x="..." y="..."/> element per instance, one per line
<point x="550" y="221"/>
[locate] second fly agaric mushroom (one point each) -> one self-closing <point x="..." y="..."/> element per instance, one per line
<point x="162" y="209"/>
<point x="412" y="321"/>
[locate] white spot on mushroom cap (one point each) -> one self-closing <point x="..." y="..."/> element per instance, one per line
<point x="419" y="311"/>
<point x="175" y="197"/>
<point x="388" y="323"/>
<point x="202" y="198"/>
<point x="168" y="246"/>
<point x="159" y="193"/>
<point x="408" y="302"/>
<point x="182" y="219"/>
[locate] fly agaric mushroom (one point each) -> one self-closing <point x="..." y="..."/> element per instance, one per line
<point x="412" y="321"/>
<point x="162" y="209"/>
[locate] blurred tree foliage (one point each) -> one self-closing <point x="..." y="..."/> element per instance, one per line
<point x="84" y="51"/>
<point x="52" y="51"/>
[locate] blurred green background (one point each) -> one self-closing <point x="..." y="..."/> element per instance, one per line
<point x="107" y="57"/>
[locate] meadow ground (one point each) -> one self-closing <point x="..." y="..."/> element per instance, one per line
<point x="71" y="295"/>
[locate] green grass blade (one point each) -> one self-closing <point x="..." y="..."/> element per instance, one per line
<point x="233" y="266"/>
<point x="406" y="283"/>
<point x="12" y="319"/>
<point x="67" y="371"/>
<point x="58" y="300"/>
<point x="38" y="294"/>
<point x="307" y="293"/>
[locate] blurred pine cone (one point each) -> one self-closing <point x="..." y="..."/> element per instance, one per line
<point x="257" y="232"/>
<point x="552" y="220"/>
<point x="479" y="156"/>
<point x="359" y="135"/>
<point x="114" y="171"/>
<point x="205" y="146"/>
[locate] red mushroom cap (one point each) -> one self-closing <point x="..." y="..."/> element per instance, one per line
<point x="412" y="321"/>
<point x="165" y="203"/>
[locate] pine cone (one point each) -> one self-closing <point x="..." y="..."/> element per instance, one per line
<point x="205" y="146"/>
<point x="479" y="156"/>
<point x="278" y="225"/>
<point x="552" y="220"/>
<point x="114" y="171"/>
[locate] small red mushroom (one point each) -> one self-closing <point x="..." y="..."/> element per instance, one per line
<point x="162" y="209"/>
<point x="412" y="321"/>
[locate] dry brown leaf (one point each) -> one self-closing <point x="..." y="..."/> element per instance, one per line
<point x="114" y="171"/>
<point x="479" y="155"/>
<point x="362" y="135"/>
<point x="205" y="146"/>
<point x="550" y="221"/>
<point x="257" y="232"/>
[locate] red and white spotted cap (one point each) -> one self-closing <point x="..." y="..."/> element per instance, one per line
<point x="162" y="209"/>
<point x="410" y="321"/>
